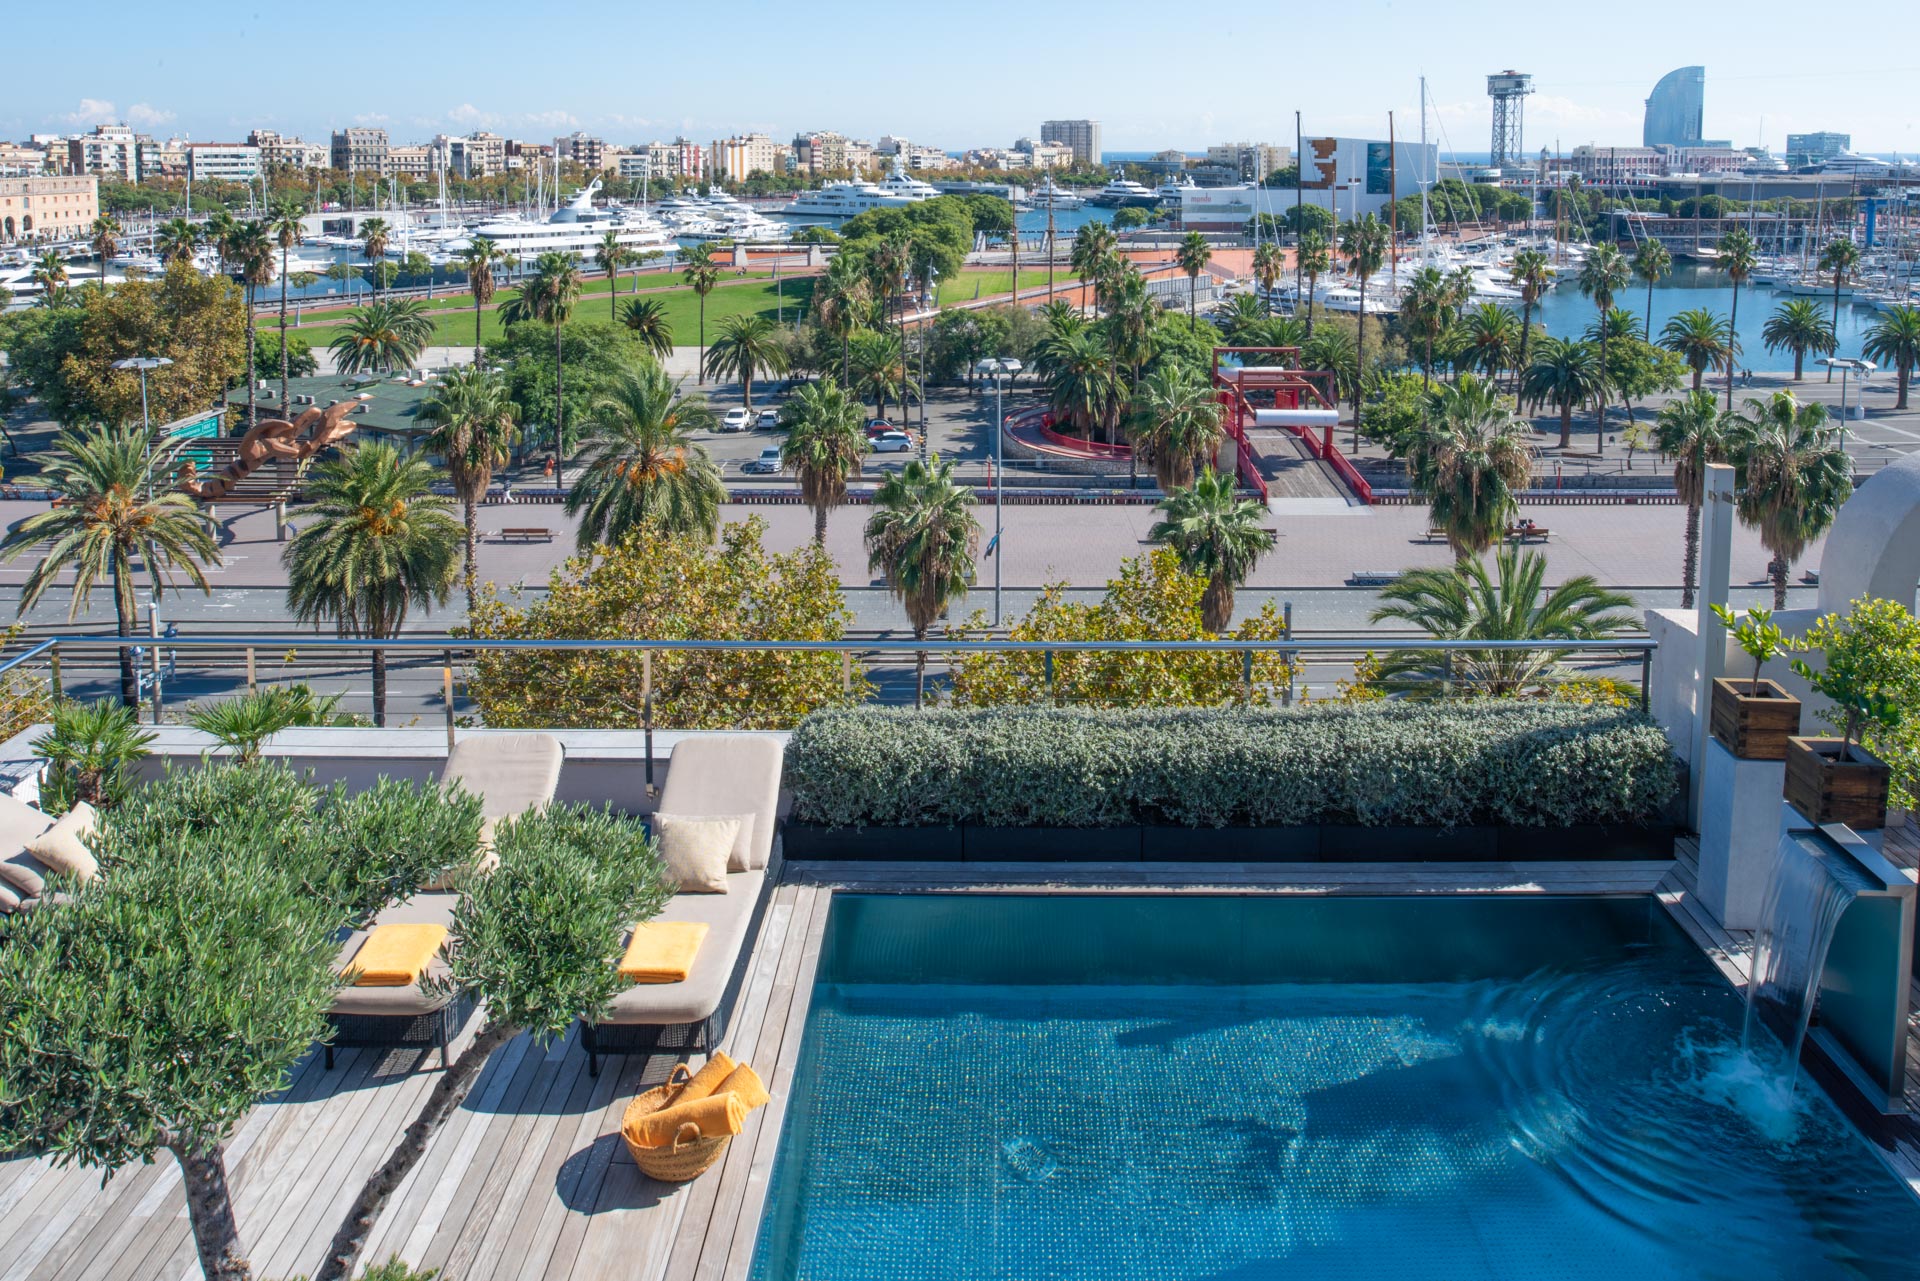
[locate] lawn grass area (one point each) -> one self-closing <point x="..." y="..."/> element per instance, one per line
<point x="453" y="326"/>
<point x="455" y="296"/>
<point x="969" y="285"/>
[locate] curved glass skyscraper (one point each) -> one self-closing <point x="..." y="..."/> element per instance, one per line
<point x="1675" y="109"/>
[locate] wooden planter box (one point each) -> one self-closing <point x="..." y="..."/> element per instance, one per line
<point x="1831" y="788"/>
<point x="1754" y="727"/>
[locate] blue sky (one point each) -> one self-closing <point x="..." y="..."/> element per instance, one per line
<point x="1155" y="74"/>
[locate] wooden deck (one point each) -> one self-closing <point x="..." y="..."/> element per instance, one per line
<point x="530" y="1180"/>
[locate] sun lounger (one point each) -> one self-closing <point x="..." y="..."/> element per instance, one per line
<point x="398" y="1017"/>
<point x="512" y="774"/>
<point x="709" y="776"/>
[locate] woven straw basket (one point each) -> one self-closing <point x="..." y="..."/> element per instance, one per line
<point x="689" y="1155"/>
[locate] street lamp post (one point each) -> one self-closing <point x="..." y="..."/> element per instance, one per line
<point x="1846" y="365"/>
<point x="998" y="368"/>
<point x="143" y="364"/>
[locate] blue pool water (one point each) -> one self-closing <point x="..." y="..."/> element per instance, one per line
<point x="1029" y="1087"/>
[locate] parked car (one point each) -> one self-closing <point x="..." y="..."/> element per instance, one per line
<point x="768" y="420"/>
<point x="879" y="427"/>
<point x="891" y="442"/>
<point x="765" y="465"/>
<point x="737" y="419"/>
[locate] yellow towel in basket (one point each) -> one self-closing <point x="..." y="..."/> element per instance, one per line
<point x="713" y="1116"/>
<point x="395" y="955"/>
<point x="707" y="1080"/>
<point x="746" y="1083"/>
<point x="662" y="951"/>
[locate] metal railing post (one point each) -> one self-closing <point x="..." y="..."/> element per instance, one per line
<point x="253" y="685"/>
<point x="53" y="663"/>
<point x="1046" y="663"/>
<point x="646" y="712"/>
<point x="1646" y="679"/>
<point x="1246" y="675"/>
<point x="846" y="673"/>
<point x="446" y="693"/>
<point x="153" y="631"/>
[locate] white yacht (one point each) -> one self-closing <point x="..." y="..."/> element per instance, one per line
<point x="841" y="199"/>
<point x="902" y="188"/>
<point x="745" y="227"/>
<point x="1051" y="195"/>
<point x="576" y="229"/>
<point x="1170" y="191"/>
<point x="1852" y="162"/>
<point x="1123" y="192"/>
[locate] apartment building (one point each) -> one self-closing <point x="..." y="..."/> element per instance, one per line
<point x="48" y="206"/>
<point x="588" y="152"/>
<point x="357" y="151"/>
<point x="278" y="152"/>
<point x="1252" y="161"/>
<point x="739" y="157"/>
<point x="19" y="159"/>
<point x="112" y="150"/>
<point x="1081" y="135"/>
<point x="474" y="156"/>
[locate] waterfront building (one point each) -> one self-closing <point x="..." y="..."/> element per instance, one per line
<point x="1676" y="111"/>
<point x="1352" y="176"/>
<point x="19" y="159"/>
<point x="224" y="161"/>
<point x="1081" y="135"/>
<point x="278" y="152"/>
<point x="1251" y="161"/>
<point x="474" y="156"/>
<point x="48" y="206"/>
<point x="413" y="162"/>
<point x="1030" y="154"/>
<point x="356" y="151"/>
<point x="739" y="157"/>
<point x="821" y="153"/>
<point x="1807" y="150"/>
<point x="112" y="150"/>
<point x="588" y="152"/>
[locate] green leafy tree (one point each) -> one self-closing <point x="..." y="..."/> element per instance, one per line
<point x="702" y="274"/>
<point x="50" y="274"/>
<point x="1691" y="431"/>
<point x="549" y="296"/>
<point x="1565" y="374"/>
<point x="381" y="337"/>
<point x="378" y="545"/>
<point x="176" y="240"/>
<point x="1470" y="460"/>
<point x="1739" y="255"/>
<point x="880" y="370"/>
<point x="1467" y="603"/>
<point x="1193" y="256"/>
<point x="1604" y="274"/>
<point x="1492" y="339"/>
<point x="1081" y="381"/>
<point x="1175" y="421"/>
<point x="1878" y="646"/>
<point x="1217" y="534"/>
<point x="747" y="346"/>
<point x="1652" y="263"/>
<point x="110" y="523"/>
<point x="843" y="303"/>
<point x="1335" y="350"/>
<point x="643" y="468"/>
<point x="1795" y="474"/>
<point x="1895" y="340"/>
<point x="923" y="537"/>
<point x="1095" y="256"/>
<point x="1799" y="326"/>
<point x="472" y="415"/>
<point x="1427" y="309"/>
<point x="824" y="447"/>
<point x="1700" y="338"/>
<point x="647" y="318"/>
<point x="481" y="261"/>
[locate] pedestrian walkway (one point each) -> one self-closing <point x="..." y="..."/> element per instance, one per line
<point x="1290" y="471"/>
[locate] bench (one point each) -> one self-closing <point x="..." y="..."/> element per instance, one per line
<point x="1524" y="533"/>
<point x="1434" y="535"/>
<point x="1373" y="577"/>
<point x="528" y="535"/>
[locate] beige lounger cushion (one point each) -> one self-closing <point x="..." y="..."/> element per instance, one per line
<point x="740" y="857"/>
<point x="695" y="850"/>
<point x="26" y="874"/>
<point x="511" y="774"/>
<point x="9" y="901"/>
<point x="435" y="909"/>
<point x="729" y="774"/>
<point x="62" y="847"/>
<point x="727" y="917"/>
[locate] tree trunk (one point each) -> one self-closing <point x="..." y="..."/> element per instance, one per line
<point x="1566" y="424"/>
<point x="285" y="404"/>
<point x="700" y="372"/>
<point x="920" y="668"/>
<point x="473" y="543"/>
<point x="1600" y="409"/>
<point x="253" y="377"/>
<point x="820" y="524"/>
<point x="1778" y="569"/>
<point x="216" y="1235"/>
<point x="448" y="1093"/>
<point x="1526" y="332"/>
<point x="476" y="329"/>
<point x="1216" y="605"/>
<point x="1906" y="375"/>
<point x="124" y="610"/>
<point x="1691" y="557"/>
<point x="559" y="399"/>
<point x="1836" y="313"/>
<point x="746" y="391"/>
<point x="1733" y="327"/>
<point x="1699" y="372"/>
<point x="1648" y="334"/>
<point x="1359" y="364"/>
<point x="380" y="688"/>
<point x="1799" y="358"/>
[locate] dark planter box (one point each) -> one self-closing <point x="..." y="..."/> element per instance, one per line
<point x="1049" y="844"/>
<point x="805" y="841"/>
<point x="1160" y="844"/>
<point x="1831" y="784"/>
<point x="1754" y="727"/>
<point x="1587" y="842"/>
<point x="1342" y="843"/>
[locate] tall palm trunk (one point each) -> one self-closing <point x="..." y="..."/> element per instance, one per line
<point x="700" y="372"/>
<point x="216" y="1234"/>
<point x="1690" y="565"/>
<point x="1777" y="569"/>
<point x="380" y="685"/>
<point x="820" y="524"/>
<point x="1216" y="605"/>
<point x="1648" y="333"/>
<point x="1359" y="364"/>
<point x="1733" y="327"/>
<point x="1836" y="313"/>
<point x="920" y="669"/>
<point x="473" y="545"/>
<point x="1526" y="332"/>
<point x="1600" y="407"/>
<point x="476" y="330"/>
<point x="253" y="377"/>
<point x="559" y="401"/>
<point x="125" y="613"/>
<point x="285" y="404"/>
<point x="1193" y="303"/>
<point x="1566" y="423"/>
<point x="1799" y="360"/>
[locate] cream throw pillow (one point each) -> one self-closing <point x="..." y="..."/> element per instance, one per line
<point x="696" y="850"/>
<point x="740" y="857"/>
<point x="62" y="847"/>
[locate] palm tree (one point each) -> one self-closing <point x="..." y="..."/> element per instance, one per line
<point x="923" y="537"/>
<point x="611" y="255"/>
<point x="824" y="447"/>
<point x="1131" y="313"/>
<point x="480" y="260"/>
<point x="1315" y="257"/>
<point x="381" y="337"/>
<point x="1692" y="431"/>
<point x="1081" y="383"/>
<point x="1426" y="309"/>
<point x="1799" y="326"/>
<point x="379" y="543"/>
<point x="1333" y="350"/>
<point x="1095" y="250"/>
<point x="1470" y="459"/>
<point x="647" y="317"/>
<point x="1840" y="257"/>
<point x="1652" y="264"/>
<point x="643" y="468"/>
<point x="176" y="240"/>
<point x="1217" y="534"/>
<point x="472" y="415"/>
<point x="1794" y="475"/>
<point x="104" y="242"/>
<point x="250" y="249"/>
<point x="842" y="299"/>
<point x="50" y="273"/>
<point x="1533" y="275"/>
<point x="285" y="226"/>
<point x="549" y="295"/>
<point x="1564" y="374"/>
<point x="1365" y="244"/>
<point x="747" y="345"/>
<point x="109" y="525"/>
<point x="1738" y="257"/>
<point x="888" y="267"/>
<point x="1602" y="275"/>
<point x="1193" y="256"/>
<point x="217" y="233"/>
<point x="1895" y="340"/>
<point x="703" y="274"/>
<point x="1176" y="423"/>
<point x="880" y="369"/>
<point x="1700" y="338"/>
<point x="1466" y="603"/>
<point x="1492" y="335"/>
<point x="374" y="237"/>
<point x="1269" y="260"/>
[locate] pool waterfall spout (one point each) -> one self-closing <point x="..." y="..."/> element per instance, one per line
<point x="1805" y="901"/>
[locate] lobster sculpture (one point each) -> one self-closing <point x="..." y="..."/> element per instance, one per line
<point x="296" y="441"/>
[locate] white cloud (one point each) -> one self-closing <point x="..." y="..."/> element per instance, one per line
<point x="629" y="122"/>
<point x="92" y="111"/>
<point x="143" y="115"/>
<point x="552" y="119"/>
<point x="468" y="115"/>
<point x="371" y="118"/>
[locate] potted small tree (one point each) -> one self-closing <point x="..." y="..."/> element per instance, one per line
<point x="1754" y="718"/>
<point x="1837" y="780"/>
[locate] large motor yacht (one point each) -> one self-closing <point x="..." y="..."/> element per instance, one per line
<point x="1051" y="195"/>
<point x="576" y="229"/>
<point x="1123" y="193"/>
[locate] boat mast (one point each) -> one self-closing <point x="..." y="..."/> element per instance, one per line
<point x="1426" y="217"/>
<point x="1393" y="198"/>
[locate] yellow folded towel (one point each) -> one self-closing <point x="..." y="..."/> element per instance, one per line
<point x="395" y="955"/>
<point x="662" y="951"/>
<point x="745" y="1083"/>
<point x="707" y="1080"/>
<point x="711" y="1117"/>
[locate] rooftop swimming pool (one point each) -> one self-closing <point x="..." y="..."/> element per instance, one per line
<point x="1249" y="1087"/>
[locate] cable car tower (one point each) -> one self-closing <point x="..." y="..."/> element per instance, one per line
<point x="1509" y="91"/>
